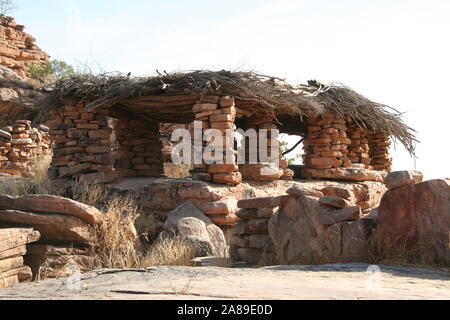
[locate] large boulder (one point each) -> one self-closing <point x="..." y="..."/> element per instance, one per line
<point x="193" y="225"/>
<point x="418" y="214"/>
<point x="300" y="236"/>
<point x="398" y="179"/>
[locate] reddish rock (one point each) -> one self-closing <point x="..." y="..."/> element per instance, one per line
<point x="346" y="174"/>
<point x="335" y="202"/>
<point x="246" y="214"/>
<point x="222" y="168"/>
<point x="299" y="237"/>
<point x="260" y="172"/>
<point x="51" y="204"/>
<point x="13" y="238"/>
<point x="398" y="179"/>
<point x="204" y="107"/>
<point x="222" y="207"/>
<point x="330" y="217"/>
<point x="226" y="101"/>
<point x="52" y="227"/>
<point x="228" y="178"/>
<point x="321" y="163"/>
<point x="267" y="202"/>
<point x="228" y="220"/>
<point x="298" y="191"/>
<point x="418" y="213"/>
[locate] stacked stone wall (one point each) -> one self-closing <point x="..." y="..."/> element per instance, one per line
<point x="22" y="148"/>
<point x="82" y="144"/>
<point x="138" y="150"/>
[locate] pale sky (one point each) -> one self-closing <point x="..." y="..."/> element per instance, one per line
<point x="394" y="52"/>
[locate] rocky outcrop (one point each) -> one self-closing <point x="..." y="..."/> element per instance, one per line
<point x="12" y="248"/>
<point x="414" y="215"/>
<point x="64" y="227"/>
<point x="53" y="227"/>
<point x="51" y="204"/>
<point x="219" y="202"/>
<point x="58" y="219"/>
<point x="192" y="225"/>
<point x="17" y="48"/>
<point x="307" y="230"/>
<point x="21" y="147"/>
<point x="18" y="99"/>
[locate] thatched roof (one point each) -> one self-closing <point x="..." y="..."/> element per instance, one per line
<point x="169" y="98"/>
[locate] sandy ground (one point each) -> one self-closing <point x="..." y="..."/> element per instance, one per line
<point x="330" y="282"/>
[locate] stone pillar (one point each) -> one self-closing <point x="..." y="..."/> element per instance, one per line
<point x="138" y="150"/>
<point x="218" y="114"/>
<point x="379" y="144"/>
<point x="326" y="143"/>
<point x="250" y="240"/>
<point x="166" y="130"/>
<point x="82" y="145"/>
<point x="359" y="147"/>
<point x="262" y="169"/>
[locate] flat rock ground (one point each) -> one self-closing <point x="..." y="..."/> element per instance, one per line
<point x="338" y="281"/>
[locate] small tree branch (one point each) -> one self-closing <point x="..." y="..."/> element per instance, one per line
<point x="293" y="148"/>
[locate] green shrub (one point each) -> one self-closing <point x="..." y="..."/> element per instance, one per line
<point x="53" y="69"/>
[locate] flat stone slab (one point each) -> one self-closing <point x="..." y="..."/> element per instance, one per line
<point x="42" y="203"/>
<point x="52" y="227"/>
<point x="345" y="174"/>
<point x="337" y="281"/>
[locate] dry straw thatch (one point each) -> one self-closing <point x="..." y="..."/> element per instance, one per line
<point x="255" y="92"/>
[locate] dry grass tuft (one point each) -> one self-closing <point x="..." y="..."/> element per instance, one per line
<point x="391" y="251"/>
<point x="91" y="194"/>
<point x="113" y="243"/>
<point x="39" y="183"/>
<point x="170" y="251"/>
<point x="15" y="186"/>
<point x="176" y="171"/>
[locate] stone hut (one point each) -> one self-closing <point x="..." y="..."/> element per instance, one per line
<point x="109" y="126"/>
